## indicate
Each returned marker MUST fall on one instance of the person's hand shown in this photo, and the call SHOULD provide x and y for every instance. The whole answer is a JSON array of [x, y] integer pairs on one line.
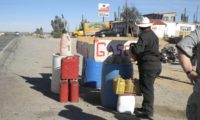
[[192, 76], [132, 56]]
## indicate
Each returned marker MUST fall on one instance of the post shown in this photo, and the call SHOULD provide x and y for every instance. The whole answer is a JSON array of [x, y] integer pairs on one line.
[[127, 27]]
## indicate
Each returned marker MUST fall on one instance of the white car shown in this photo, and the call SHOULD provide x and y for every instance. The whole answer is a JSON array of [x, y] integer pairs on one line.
[[17, 33]]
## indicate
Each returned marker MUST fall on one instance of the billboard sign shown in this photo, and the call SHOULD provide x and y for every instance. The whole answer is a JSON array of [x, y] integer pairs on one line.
[[103, 9]]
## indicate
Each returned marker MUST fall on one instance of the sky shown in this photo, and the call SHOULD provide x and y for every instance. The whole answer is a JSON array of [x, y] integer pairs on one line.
[[27, 15]]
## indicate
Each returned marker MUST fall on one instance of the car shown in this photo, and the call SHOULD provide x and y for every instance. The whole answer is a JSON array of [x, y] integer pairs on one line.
[[17, 33], [107, 33]]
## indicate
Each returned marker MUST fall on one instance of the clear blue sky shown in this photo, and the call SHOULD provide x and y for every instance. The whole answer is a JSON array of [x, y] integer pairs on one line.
[[27, 15]]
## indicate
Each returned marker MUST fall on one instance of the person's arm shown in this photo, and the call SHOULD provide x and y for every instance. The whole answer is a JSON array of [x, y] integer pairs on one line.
[[187, 66], [137, 48]]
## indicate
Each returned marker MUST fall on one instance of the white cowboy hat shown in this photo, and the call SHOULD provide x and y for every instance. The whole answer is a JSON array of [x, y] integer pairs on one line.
[[143, 23]]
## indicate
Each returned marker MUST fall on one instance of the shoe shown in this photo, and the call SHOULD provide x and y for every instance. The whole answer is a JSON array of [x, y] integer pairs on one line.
[[145, 116], [139, 110]]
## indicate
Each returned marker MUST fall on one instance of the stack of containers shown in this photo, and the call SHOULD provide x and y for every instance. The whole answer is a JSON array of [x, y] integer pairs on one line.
[[65, 72], [69, 86], [65, 50]]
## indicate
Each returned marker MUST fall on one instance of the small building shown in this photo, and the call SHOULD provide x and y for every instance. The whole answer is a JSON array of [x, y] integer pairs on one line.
[[179, 29], [166, 16], [170, 30], [183, 29], [158, 27]]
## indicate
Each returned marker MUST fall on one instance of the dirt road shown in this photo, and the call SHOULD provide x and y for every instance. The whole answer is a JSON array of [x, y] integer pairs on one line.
[[25, 89]]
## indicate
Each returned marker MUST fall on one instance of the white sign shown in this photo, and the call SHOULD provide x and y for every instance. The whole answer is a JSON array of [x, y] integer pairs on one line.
[[105, 48], [103, 10]]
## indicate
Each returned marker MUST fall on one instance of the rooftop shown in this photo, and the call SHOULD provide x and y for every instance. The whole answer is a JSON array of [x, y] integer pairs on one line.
[[157, 22]]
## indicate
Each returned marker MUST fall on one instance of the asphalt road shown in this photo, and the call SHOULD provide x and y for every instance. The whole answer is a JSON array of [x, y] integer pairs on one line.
[[8, 43], [6, 39]]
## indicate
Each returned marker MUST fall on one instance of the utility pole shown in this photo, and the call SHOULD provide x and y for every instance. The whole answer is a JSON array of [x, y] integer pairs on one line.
[[119, 18], [194, 18], [197, 13], [126, 7]]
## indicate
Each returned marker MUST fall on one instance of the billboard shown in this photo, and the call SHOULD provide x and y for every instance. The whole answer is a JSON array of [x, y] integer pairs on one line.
[[103, 9], [91, 28]]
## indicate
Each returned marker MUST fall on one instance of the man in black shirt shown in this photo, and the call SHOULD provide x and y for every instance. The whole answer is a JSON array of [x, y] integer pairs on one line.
[[147, 55]]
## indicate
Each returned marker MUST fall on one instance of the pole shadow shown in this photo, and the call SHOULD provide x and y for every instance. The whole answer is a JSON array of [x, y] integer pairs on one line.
[[75, 113], [173, 79], [42, 84]]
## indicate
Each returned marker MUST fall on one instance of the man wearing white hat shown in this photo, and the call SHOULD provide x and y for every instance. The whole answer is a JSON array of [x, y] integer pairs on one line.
[[147, 55]]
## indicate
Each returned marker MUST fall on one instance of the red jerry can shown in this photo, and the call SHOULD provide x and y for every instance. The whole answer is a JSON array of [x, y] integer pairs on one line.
[[74, 91], [69, 67], [64, 91]]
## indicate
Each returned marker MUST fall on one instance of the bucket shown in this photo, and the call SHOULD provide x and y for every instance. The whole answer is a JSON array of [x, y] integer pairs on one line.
[[64, 91], [69, 67], [55, 81], [74, 91], [111, 71], [118, 85], [126, 104], [129, 86], [92, 73]]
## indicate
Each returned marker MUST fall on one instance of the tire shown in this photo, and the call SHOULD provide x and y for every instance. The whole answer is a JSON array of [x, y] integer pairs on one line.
[[164, 61], [103, 35]]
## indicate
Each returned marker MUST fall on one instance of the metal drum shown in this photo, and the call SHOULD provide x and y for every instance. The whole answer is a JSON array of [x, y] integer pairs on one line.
[[111, 71]]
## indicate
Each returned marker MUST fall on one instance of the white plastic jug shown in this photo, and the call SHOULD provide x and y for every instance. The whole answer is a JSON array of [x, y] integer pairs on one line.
[[65, 45], [126, 104]]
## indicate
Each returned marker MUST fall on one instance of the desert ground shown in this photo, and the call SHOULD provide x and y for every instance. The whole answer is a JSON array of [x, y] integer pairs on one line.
[[25, 78]]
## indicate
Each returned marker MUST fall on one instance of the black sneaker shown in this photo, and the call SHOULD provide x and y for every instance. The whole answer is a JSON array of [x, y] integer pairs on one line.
[[139, 110], [144, 116]]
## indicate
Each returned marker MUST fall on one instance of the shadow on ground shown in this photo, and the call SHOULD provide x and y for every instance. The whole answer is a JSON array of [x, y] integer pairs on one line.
[[90, 95], [93, 96], [119, 116], [42, 84], [75, 113], [173, 79]]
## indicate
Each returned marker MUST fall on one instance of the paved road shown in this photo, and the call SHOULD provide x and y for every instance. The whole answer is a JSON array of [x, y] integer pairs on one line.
[[6, 39], [8, 45]]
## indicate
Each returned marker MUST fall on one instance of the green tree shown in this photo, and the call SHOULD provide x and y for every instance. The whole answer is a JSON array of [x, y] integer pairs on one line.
[[58, 24], [39, 31], [129, 15]]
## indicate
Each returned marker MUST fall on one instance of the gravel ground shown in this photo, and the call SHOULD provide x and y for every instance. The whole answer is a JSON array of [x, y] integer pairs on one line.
[[25, 89]]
